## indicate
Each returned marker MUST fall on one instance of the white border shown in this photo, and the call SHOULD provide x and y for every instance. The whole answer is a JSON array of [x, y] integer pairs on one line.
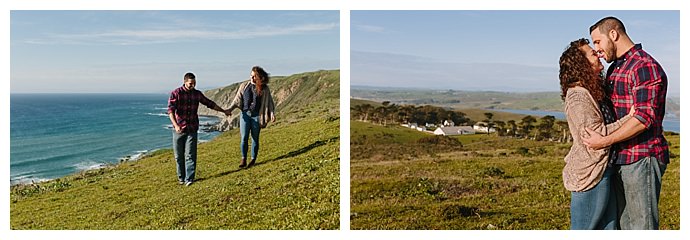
[[344, 6]]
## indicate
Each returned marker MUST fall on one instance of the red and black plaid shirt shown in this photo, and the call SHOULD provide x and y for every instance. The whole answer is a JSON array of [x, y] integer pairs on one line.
[[184, 104], [637, 79]]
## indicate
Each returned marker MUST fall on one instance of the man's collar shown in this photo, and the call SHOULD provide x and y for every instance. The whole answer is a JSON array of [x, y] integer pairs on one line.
[[631, 51]]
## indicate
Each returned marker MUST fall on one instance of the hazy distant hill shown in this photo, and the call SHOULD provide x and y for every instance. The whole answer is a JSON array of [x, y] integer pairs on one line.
[[458, 99]]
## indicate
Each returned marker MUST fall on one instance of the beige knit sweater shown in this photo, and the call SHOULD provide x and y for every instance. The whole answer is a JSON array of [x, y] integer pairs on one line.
[[267, 108], [584, 167]]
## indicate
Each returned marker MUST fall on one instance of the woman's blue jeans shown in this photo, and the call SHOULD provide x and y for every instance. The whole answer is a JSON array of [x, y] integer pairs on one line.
[[595, 209], [249, 126]]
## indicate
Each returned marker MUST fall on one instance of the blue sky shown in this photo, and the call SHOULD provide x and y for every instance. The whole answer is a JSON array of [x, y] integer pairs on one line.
[[491, 50], [149, 51]]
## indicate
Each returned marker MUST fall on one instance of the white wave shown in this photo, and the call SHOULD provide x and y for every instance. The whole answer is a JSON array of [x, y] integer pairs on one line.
[[85, 166], [134, 157], [27, 179], [157, 114]]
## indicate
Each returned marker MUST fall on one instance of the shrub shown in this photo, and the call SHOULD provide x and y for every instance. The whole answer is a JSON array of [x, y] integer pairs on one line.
[[539, 151], [522, 151], [493, 171], [455, 211], [440, 140]]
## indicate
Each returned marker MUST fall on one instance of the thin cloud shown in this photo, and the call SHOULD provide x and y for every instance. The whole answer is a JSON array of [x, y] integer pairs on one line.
[[370, 28], [151, 36]]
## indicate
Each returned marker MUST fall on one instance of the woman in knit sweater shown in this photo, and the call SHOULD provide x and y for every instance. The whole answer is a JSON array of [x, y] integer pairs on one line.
[[254, 99], [586, 173]]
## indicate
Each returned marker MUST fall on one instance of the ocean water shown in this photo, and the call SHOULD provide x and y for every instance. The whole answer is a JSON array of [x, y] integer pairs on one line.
[[53, 135], [671, 122]]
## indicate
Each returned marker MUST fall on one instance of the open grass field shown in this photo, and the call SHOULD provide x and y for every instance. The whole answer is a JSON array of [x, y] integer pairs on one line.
[[488, 182]]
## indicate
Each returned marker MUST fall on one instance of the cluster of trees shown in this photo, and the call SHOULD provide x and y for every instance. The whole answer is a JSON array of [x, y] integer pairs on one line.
[[389, 113], [546, 128]]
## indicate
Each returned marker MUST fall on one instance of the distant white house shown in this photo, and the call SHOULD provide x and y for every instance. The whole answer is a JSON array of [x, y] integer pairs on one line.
[[482, 127], [448, 123], [448, 131], [430, 125], [414, 126]]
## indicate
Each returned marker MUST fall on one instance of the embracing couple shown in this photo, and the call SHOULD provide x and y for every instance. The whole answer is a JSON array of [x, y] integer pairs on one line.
[[619, 154], [253, 98]]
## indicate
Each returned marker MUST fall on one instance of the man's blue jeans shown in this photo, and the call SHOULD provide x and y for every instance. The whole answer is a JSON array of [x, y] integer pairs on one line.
[[184, 147], [637, 187], [594, 209], [249, 126]]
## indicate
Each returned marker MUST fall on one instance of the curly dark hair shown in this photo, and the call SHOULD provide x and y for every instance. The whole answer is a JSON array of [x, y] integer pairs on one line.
[[263, 78], [576, 70]]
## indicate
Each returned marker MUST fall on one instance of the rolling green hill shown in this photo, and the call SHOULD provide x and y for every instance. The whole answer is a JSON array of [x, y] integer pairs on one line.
[[474, 114], [458, 99], [486, 182], [292, 94], [294, 185]]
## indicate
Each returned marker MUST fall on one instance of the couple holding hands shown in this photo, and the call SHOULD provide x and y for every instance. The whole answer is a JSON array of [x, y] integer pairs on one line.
[[253, 98]]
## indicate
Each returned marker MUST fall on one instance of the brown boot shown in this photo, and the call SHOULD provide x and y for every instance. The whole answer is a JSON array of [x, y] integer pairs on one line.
[[251, 163], [243, 163]]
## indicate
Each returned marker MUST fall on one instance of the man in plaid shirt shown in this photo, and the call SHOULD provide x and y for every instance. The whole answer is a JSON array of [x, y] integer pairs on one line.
[[182, 110], [634, 79]]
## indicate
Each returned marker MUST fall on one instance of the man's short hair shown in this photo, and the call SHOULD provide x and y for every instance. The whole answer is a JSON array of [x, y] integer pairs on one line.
[[607, 24], [188, 76]]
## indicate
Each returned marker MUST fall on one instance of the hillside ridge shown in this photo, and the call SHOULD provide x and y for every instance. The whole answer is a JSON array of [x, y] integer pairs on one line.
[[288, 93]]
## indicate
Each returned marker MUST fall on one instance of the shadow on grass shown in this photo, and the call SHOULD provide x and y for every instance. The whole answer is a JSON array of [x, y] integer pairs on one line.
[[287, 155]]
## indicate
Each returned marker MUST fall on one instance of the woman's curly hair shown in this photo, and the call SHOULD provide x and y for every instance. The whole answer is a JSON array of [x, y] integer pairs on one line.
[[262, 80], [576, 70]]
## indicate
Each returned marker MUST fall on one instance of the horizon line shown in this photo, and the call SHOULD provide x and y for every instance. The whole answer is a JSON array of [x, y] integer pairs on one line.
[[461, 90]]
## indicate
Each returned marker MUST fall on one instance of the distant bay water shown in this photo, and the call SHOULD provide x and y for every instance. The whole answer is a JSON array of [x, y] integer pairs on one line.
[[671, 123], [53, 135]]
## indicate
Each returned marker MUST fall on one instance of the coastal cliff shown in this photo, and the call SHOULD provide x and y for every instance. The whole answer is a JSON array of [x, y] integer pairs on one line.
[[290, 93]]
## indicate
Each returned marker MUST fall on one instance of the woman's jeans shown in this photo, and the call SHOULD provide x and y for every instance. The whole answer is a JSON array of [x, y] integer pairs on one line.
[[594, 209], [249, 126]]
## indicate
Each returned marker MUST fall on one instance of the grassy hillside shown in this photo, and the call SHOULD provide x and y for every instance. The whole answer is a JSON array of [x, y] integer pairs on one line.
[[294, 185], [486, 183], [474, 114]]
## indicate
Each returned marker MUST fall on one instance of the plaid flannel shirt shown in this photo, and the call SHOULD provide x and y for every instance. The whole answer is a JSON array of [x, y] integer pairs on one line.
[[184, 104], [638, 79]]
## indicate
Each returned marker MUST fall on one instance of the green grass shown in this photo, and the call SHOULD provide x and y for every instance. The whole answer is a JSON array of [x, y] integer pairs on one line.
[[294, 185], [488, 183]]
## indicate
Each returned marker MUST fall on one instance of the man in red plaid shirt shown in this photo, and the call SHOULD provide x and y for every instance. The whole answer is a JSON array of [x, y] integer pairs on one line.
[[634, 79], [183, 105]]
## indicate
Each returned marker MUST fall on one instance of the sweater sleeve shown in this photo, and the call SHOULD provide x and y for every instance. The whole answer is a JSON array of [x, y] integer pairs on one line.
[[583, 113], [238, 96], [271, 105], [612, 127]]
